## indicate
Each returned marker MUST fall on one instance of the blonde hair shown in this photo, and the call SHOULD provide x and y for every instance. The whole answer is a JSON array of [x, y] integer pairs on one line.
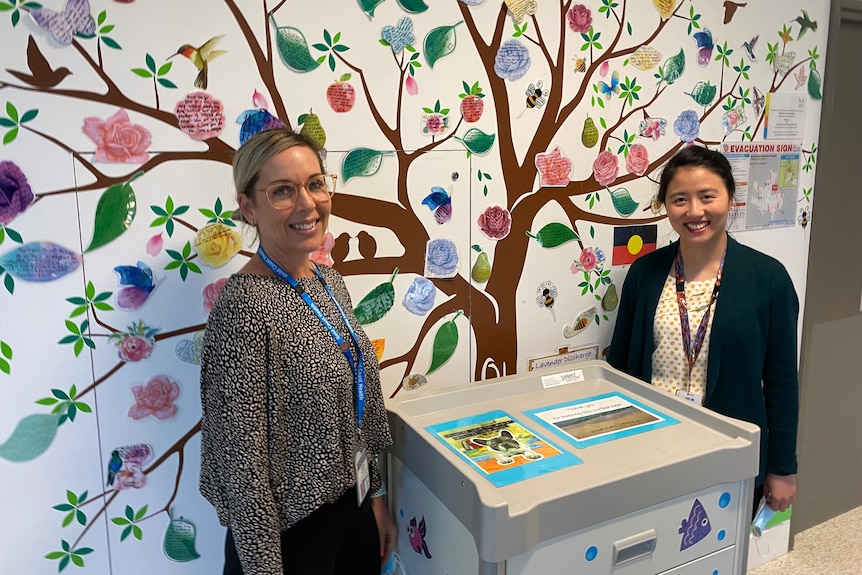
[[250, 158]]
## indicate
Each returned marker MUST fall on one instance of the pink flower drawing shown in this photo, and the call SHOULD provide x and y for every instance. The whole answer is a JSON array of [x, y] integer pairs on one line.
[[606, 168], [321, 254], [135, 347], [200, 116], [156, 398], [495, 222], [554, 167], [590, 260], [637, 161], [155, 244], [580, 18], [210, 294], [117, 139], [130, 478]]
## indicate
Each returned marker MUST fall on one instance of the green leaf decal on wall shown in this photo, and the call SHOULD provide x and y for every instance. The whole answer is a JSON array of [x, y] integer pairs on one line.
[[477, 141], [179, 543], [674, 67], [368, 6], [31, 437], [413, 6], [445, 342], [378, 301], [553, 235], [814, 85], [623, 202], [293, 50], [440, 42], [115, 212], [361, 162]]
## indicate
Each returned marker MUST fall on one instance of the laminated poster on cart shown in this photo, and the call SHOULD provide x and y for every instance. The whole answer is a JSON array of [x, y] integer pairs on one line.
[[600, 418], [502, 449]]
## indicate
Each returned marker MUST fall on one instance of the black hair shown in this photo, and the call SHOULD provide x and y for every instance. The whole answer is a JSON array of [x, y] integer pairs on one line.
[[696, 157]]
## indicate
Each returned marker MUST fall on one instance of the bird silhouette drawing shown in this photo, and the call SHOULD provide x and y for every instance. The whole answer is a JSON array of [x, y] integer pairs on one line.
[[41, 75], [201, 57], [730, 9], [367, 245], [805, 24]]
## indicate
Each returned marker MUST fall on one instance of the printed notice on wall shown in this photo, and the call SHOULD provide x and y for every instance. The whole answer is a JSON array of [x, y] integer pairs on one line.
[[784, 116], [767, 184]]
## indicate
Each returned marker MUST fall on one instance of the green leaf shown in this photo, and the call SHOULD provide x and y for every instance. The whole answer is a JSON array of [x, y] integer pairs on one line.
[[477, 141], [413, 6], [440, 42], [110, 43], [115, 212], [179, 541], [6, 350], [377, 302], [31, 438], [293, 49], [140, 71], [368, 6], [445, 342], [10, 136], [553, 235], [674, 67], [623, 202], [29, 115], [362, 162]]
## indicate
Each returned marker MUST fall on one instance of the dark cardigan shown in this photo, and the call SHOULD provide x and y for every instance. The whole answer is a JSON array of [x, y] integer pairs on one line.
[[753, 341]]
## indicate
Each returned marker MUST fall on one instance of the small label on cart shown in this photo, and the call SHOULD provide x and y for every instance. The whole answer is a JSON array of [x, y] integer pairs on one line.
[[574, 376]]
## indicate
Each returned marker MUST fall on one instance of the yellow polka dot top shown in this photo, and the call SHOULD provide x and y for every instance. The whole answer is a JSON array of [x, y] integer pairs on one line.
[[669, 364]]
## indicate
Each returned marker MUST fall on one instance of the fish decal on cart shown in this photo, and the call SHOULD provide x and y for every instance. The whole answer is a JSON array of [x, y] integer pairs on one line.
[[696, 527]]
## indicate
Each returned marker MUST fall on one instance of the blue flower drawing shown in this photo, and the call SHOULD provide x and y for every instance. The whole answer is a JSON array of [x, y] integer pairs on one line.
[[687, 125], [419, 298], [512, 60], [441, 258]]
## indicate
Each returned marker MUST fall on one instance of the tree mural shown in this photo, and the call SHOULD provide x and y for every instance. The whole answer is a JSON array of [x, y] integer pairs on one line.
[[575, 106]]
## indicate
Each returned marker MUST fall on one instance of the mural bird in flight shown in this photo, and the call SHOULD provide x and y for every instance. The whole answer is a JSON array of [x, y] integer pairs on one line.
[[200, 57]]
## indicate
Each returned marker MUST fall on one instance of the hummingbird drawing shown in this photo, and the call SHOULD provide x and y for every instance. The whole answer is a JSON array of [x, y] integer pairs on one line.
[[749, 48], [41, 75], [805, 23], [201, 57], [114, 466]]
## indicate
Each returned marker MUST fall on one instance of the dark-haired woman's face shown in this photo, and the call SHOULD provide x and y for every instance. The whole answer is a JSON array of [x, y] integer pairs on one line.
[[697, 204]]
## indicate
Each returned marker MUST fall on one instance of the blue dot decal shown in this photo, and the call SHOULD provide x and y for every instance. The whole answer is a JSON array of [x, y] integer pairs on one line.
[[592, 553], [721, 535], [715, 572], [724, 500]]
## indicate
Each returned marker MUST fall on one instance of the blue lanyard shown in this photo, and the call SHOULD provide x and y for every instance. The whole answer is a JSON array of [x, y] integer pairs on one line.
[[357, 367]]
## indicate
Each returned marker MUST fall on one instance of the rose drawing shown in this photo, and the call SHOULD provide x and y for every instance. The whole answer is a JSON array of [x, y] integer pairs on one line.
[[512, 60], [210, 294], [637, 161], [495, 222], [155, 398], [554, 167], [15, 192], [591, 259], [441, 258], [580, 18], [134, 348], [321, 254], [117, 139], [200, 116], [434, 124], [419, 298], [687, 125], [130, 478], [606, 168], [217, 243]]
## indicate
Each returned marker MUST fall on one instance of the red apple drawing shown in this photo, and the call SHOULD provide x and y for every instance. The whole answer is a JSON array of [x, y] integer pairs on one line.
[[341, 95], [471, 102]]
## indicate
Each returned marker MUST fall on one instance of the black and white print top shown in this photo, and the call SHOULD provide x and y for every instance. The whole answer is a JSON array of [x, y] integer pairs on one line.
[[279, 416]]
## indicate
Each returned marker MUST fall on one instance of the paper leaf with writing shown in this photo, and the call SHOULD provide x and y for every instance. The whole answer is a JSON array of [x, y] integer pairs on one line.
[[674, 67], [623, 202], [553, 235], [413, 6], [31, 437], [179, 542], [440, 42], [368, 6], [377, 303], [361, 162], [645, 58], [814, 83], [477, 141], [445, 342], [40, 261], [293, 50], [115, 212]]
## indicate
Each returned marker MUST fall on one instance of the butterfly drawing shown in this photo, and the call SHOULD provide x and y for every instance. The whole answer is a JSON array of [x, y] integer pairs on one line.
[[749, 48], [75, 19], [704, 46], [440, 203], [139, 282], [400, 35], [758, 102], [801, 77], [614, 87]]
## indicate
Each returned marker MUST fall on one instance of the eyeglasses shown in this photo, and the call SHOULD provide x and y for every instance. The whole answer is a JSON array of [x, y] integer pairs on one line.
[[283, 195]]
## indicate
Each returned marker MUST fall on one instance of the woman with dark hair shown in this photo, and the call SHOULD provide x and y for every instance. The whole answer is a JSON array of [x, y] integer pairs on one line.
[[292, 411], [734, 354]]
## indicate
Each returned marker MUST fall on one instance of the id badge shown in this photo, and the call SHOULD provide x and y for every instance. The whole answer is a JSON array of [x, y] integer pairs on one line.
[[363, 477], [695, 398]]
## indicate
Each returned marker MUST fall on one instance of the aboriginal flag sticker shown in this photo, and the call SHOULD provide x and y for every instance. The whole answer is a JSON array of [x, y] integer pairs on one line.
[[631, 242]]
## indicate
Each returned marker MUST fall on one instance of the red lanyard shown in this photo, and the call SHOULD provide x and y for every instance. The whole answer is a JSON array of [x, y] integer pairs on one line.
[[692, 348]]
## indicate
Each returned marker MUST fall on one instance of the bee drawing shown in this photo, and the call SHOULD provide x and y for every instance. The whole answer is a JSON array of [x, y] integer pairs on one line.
[[535, 97], [581, 322], [803, 218], [580, 64], [546, 295]]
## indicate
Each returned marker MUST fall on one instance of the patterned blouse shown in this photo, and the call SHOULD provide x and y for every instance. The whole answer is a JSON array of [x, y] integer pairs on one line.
[[279, 416], [669, 364]]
